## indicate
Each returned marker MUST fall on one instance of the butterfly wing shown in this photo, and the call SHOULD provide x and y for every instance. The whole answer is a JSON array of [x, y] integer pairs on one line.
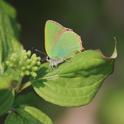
[[53, 31], [68, 44], [61, 42]]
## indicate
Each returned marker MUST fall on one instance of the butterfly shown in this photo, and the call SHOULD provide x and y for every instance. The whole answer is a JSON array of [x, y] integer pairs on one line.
[[61, 43]]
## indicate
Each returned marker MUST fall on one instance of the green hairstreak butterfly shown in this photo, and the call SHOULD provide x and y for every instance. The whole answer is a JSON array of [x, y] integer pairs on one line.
[[60, 43]]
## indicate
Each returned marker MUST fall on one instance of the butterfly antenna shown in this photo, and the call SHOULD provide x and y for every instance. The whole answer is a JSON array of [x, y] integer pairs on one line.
[[38, 51]]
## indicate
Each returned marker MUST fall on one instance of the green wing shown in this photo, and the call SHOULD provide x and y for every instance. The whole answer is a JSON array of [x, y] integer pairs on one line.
[[68, 44], [61, 42], [53, 31]]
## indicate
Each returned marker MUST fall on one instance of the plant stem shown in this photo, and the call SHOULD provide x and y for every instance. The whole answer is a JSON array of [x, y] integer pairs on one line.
[[24, 86]]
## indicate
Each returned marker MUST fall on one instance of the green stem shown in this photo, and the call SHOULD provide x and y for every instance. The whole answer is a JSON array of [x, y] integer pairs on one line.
[[24, 86]]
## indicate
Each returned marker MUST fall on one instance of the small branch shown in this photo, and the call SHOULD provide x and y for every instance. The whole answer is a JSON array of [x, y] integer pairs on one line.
[[24, 86]]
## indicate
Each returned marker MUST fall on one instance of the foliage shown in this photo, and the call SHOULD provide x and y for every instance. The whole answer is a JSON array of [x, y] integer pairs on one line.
[[111, 108], [73, 83]]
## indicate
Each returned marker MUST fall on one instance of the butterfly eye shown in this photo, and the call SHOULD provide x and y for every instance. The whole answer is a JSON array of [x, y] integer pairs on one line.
[[47, 58]]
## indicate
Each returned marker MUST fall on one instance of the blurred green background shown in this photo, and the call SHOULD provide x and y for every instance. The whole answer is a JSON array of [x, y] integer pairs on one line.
[[97, 21]]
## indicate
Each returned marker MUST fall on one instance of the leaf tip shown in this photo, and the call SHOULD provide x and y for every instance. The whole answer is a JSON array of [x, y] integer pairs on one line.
[[115, 53]]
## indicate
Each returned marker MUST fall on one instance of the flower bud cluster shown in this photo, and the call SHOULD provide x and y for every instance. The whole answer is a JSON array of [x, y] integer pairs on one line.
[[27, 63]]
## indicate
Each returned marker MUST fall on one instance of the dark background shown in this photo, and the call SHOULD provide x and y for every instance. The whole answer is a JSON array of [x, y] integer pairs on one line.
[[97, 21]]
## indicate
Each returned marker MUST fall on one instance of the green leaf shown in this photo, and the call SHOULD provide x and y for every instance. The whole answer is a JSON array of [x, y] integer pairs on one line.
[[28, 115], [32, 99], [6, 100], [10, 80], [76, 81], [7, 9], [14, 118], [9, 33]]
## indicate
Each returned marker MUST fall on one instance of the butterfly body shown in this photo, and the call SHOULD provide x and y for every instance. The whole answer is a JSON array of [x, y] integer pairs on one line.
[[54, 62], [60, 43]]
